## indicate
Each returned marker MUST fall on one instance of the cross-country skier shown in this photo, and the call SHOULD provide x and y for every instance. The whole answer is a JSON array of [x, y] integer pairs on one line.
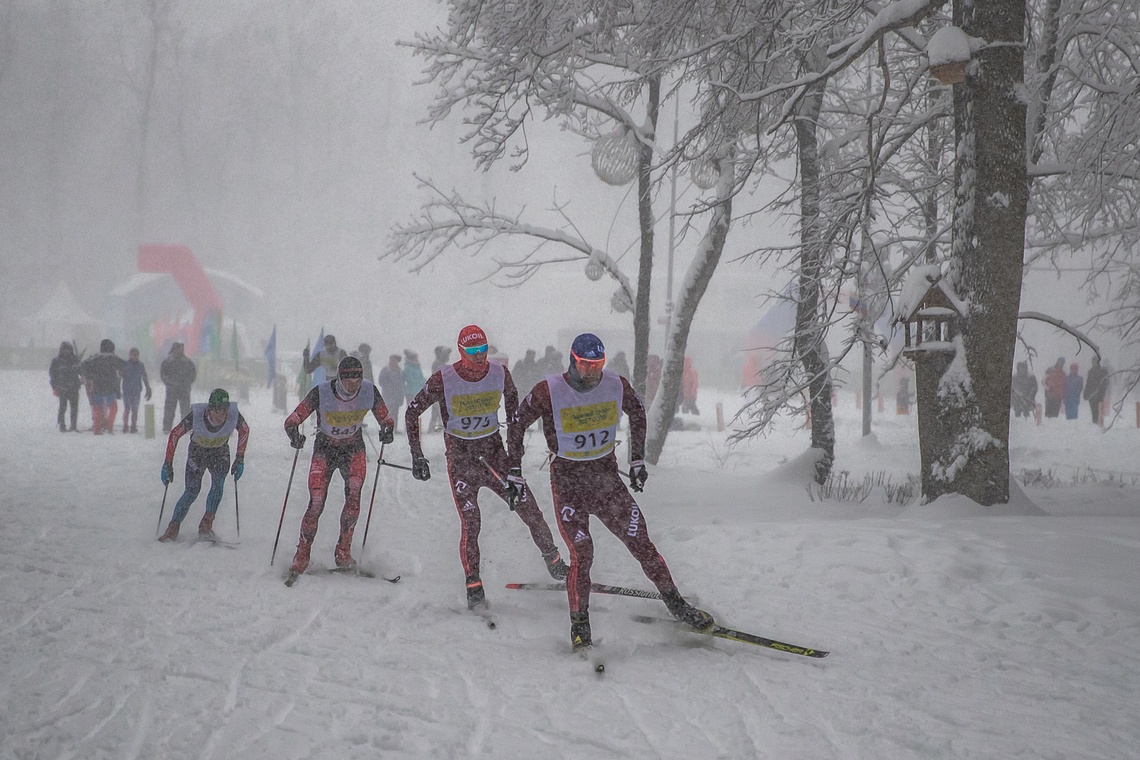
[[469, 393], [210, 426], [581, 410], [341, 405]]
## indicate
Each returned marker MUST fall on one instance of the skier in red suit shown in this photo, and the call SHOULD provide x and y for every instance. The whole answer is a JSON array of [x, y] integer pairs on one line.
[[581, 411], [469, 393], [341, 405]]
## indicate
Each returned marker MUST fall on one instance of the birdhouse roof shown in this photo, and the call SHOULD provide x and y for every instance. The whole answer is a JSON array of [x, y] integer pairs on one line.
[[926, 291]]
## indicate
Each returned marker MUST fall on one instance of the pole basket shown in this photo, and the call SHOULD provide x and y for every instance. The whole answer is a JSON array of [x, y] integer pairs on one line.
[[614, 157]]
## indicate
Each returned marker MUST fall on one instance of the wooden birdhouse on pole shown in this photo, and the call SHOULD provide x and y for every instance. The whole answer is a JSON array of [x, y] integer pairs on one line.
[[949, 52]]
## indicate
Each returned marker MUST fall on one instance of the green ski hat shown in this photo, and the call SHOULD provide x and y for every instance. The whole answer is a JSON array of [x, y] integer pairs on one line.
[[219, 398]]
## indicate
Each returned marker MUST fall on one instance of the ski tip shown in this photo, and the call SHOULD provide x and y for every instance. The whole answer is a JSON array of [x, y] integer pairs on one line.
[[514, 585], [393, 580]]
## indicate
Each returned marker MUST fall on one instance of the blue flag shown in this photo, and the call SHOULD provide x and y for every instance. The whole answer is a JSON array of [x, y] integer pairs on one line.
[[319, 372], [271, 357]]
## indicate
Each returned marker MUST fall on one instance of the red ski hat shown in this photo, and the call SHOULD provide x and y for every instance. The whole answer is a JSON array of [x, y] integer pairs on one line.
[[472, 335]]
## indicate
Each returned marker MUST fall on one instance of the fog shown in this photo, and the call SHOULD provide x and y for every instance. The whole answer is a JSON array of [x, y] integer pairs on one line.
[[280, 142]]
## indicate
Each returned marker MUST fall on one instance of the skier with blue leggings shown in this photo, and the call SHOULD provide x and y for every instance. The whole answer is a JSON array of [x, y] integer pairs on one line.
[[210, 426]]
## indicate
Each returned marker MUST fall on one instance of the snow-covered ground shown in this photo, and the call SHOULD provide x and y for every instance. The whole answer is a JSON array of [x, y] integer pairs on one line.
[[954, 633]]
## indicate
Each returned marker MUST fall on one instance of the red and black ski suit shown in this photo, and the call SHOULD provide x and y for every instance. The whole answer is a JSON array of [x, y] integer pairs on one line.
[[467, 474], [592, 487], [348, 456]]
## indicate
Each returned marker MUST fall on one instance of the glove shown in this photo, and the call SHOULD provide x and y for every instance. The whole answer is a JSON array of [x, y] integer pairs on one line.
[[167, 473], [638, 475], [388, 434], [296, 438], [420, 469], [148, 394], [516, 487], [237, 469]]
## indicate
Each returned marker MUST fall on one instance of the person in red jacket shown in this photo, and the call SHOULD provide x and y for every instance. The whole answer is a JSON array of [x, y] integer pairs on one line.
[[210, 426], [469, 393], [580, 412], [340, 405]]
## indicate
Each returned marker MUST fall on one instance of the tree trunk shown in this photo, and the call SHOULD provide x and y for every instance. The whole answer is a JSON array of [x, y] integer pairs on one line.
[[810, 346], [692, 291], [641, 317], [988, 244]]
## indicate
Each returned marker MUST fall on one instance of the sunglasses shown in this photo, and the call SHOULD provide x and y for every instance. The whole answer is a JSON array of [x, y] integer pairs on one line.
[[589, 363], [475, 350]]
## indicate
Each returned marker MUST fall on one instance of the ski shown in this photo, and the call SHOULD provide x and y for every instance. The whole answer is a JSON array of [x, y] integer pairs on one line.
[[719, 631], [596, 588], [292, 576], [215, 542]]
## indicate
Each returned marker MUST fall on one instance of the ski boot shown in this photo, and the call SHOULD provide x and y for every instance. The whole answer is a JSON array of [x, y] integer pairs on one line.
[[171, 532], [697, 619], [206, 527], [580, 639], [343, 556], [555, 566], [301, 558], [476, 598]]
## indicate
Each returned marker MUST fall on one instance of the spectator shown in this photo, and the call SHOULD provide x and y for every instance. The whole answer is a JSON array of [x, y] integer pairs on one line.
[[1074, 383], [63, 374], [1096, 389], [413, 374], [652, 378], [1023, 397], [364, 354], [689, 383], [178, 374], [134, 380], [1054, 383], [103, 373], [327, 358], [526, 372], [391, 384], [618, 365]]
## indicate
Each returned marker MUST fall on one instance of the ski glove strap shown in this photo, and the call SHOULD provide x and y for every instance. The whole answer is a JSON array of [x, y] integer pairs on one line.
[[638, 475], [516, 487], [388, 434]]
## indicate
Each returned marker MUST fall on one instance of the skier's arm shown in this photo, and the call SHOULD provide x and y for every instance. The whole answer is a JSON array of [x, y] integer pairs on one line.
[[635, 410], [431, 393], [308, 405], [179, 430], [534, 406], [243, 438], [381, 413]]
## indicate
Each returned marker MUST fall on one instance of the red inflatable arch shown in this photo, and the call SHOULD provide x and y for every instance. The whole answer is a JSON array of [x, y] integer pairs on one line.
[[180, 262]]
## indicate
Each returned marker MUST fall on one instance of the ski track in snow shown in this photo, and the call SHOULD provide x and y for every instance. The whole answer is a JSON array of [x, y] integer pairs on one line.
[[951, 637]]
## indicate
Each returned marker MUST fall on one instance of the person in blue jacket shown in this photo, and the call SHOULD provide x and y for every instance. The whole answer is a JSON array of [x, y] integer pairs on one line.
[[134, 380]]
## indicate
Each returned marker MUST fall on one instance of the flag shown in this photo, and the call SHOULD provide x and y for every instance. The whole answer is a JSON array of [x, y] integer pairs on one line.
[[319, 372], [234, 347], [271, 357]]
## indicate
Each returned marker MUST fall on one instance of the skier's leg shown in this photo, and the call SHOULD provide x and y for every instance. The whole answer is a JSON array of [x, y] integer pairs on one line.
[[465, 493], [354, 470], [319, 476], [195, 469]]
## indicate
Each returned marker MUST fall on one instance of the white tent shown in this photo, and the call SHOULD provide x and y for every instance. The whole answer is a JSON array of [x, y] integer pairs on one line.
[[62, 318]]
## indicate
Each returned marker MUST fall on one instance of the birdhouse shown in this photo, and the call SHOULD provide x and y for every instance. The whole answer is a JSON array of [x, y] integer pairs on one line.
[[931, 320], [949, 52]]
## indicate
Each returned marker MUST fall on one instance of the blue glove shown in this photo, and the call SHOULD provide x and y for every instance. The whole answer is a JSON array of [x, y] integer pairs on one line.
[[237, 469], [167, 473]]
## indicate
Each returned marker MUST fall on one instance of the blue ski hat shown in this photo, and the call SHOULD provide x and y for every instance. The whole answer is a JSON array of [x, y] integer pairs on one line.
[[588, 346]]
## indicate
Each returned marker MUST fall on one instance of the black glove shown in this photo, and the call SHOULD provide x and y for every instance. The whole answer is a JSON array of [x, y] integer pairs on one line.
[[420, 469], [638, 475], [148, 394], [388, 434], [296, 438], [516, 487]]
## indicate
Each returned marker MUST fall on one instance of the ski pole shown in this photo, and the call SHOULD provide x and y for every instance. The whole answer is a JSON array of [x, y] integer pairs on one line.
[[396, 466], [237, 510], [296, 453], [165, 488], [506, 484], [375, 482]]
